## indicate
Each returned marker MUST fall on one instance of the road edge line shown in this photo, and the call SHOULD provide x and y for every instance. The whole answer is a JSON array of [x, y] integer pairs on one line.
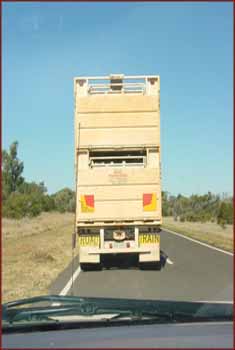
[[196, 241], [68, 286], [169, 261]]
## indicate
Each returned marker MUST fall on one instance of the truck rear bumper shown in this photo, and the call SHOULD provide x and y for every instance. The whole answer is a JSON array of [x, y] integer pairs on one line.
[[147, 254], [120, 251]]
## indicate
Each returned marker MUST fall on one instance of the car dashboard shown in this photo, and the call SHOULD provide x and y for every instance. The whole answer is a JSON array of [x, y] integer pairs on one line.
[[179, 335]]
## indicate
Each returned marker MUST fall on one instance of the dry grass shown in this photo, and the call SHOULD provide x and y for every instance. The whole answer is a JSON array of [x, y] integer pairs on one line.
[[35, 251], [208, 232]]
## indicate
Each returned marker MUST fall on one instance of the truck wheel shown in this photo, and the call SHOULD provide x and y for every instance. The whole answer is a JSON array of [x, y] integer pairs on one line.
[[85, 267], [157, 266], [90, 267]]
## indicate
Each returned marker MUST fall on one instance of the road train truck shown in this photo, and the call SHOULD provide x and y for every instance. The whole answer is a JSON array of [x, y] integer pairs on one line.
[[118, 168]]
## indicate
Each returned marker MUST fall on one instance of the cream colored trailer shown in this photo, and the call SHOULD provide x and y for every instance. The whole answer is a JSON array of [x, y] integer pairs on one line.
[[118, 167]]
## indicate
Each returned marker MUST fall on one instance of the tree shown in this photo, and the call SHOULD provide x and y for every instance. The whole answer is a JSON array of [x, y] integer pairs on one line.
[[32, 187], [198, 208], [21, 198], [165, 204], [64, 200], [225, 215], [12, 169]]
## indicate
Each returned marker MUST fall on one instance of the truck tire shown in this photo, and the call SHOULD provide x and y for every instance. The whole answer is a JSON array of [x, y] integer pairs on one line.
[[156, 265], [90, 267], [84, 267]]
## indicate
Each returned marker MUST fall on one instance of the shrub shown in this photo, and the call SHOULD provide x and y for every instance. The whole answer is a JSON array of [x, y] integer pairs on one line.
[[64, 200], [225, 215], [48, 203], [19, 205], [15, 206]]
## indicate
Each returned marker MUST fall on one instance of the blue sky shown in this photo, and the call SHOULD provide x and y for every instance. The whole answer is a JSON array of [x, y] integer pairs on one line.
[[190, 45]]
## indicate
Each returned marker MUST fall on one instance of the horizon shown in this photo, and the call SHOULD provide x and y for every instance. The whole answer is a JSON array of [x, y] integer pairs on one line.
[[222, 195]]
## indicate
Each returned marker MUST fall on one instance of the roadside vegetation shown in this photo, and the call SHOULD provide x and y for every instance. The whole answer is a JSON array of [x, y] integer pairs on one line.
[[208, 232], [36, 231], [208, 218], [205, 208], [34, 251], [28, 199]]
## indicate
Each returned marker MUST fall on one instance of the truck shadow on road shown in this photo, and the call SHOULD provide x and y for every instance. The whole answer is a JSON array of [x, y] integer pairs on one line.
[[131, 262]]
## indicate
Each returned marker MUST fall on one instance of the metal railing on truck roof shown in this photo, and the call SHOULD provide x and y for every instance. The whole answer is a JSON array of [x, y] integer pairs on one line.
[[116, 88], [117, 83]]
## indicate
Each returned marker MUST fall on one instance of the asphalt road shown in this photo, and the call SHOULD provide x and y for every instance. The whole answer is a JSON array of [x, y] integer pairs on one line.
[[190, 271]]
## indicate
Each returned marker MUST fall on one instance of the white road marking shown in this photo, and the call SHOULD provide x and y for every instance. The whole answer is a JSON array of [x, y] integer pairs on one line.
[[169, 261], [69, 284], [196, 241]]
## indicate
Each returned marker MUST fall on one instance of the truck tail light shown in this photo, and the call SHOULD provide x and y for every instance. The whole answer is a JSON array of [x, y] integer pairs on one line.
[[110, 245], [128, 244]]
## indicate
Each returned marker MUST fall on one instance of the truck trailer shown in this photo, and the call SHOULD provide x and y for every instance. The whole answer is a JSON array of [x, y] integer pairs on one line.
[[118, 168]]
